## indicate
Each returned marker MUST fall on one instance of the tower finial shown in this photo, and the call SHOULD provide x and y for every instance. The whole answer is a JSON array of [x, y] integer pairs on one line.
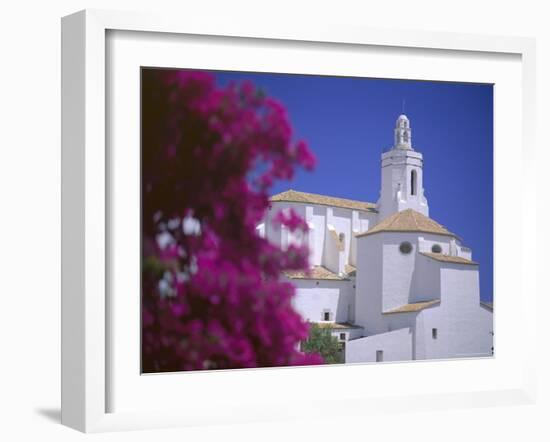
[[402, 133], [403, 106]]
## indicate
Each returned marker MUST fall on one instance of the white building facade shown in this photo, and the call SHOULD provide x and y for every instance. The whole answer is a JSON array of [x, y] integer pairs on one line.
[[389, 282]]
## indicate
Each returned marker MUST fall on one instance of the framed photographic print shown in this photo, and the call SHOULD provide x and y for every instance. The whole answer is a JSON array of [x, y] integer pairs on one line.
[[267, 222], [341, 279]]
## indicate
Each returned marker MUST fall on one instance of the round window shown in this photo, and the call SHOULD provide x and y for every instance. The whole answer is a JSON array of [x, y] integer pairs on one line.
[[436, 248], [405, 247]]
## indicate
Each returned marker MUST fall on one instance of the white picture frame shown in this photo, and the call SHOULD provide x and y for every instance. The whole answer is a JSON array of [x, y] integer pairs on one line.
[[86, 356]]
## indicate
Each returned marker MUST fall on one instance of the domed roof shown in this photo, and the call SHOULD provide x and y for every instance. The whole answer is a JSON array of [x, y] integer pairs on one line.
[[402, 117]]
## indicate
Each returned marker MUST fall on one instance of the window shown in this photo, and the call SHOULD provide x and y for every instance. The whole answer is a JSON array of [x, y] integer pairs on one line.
[[326, 316], [434, 333], [413, 182], [342, 336], [379, 355], [436, 248], [405, 247], [341, 351]]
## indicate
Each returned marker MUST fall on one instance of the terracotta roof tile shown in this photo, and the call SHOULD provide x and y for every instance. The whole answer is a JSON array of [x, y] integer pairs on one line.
[[317, 272], [414, 307], [408, 221], [312, 198], [337, 325], [350, 270], [448, 258]]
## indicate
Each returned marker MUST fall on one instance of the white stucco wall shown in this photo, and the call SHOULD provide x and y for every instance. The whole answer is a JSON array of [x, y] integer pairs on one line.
[[361, 222], [341, 219], [349, 333], [367, 220], [426, 280], [356, 333], [318, 219], [464, 328], [398, 269], [271, 233], [281, 236], [470, 325], [386, 279], [395, 191], [333, 257], [313, 297], [396, 346], [368, 299], [464, 252], [396, 321], [401, 278], [323, 251], [427, 241]]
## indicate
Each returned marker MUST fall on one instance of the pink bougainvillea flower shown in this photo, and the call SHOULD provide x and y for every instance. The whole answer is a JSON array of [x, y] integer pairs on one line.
[[212, 297], [291, 220]]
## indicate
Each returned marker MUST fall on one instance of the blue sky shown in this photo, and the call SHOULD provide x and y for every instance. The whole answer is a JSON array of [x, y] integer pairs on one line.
[[348, 122]]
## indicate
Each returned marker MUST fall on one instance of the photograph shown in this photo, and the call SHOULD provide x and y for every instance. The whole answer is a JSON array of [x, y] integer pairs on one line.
[[301, 220]]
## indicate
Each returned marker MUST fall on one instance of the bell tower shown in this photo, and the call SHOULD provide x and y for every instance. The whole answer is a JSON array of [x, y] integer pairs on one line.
[[401, 172], [402, 133]]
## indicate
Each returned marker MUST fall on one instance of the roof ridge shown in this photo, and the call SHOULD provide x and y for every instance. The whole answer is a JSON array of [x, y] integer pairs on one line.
[[413, 306], [408, 220], [326, 200], [415, 218], [390, 220], [316, 272], [320, 194]]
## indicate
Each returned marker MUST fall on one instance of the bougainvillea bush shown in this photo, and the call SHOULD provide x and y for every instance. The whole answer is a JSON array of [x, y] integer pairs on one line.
[[212, 297]]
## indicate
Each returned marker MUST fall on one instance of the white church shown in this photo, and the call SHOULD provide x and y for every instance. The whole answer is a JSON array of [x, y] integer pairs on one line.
[[389, 282]]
